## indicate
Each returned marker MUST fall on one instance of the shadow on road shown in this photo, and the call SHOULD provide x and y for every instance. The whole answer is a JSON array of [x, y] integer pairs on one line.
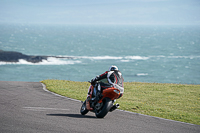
[[72, 115]]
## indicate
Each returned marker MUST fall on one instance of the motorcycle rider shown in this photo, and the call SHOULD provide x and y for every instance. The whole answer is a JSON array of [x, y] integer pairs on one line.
[[111, 78]]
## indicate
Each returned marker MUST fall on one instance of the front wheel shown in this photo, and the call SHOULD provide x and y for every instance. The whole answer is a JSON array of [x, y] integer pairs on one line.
[[83, 109], [107, 104]]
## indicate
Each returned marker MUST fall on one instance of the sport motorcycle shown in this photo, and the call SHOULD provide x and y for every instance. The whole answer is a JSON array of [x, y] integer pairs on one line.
[[101, 105]]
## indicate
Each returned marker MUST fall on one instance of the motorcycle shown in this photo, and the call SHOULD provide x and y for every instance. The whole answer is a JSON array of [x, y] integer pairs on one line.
[[103, 105]]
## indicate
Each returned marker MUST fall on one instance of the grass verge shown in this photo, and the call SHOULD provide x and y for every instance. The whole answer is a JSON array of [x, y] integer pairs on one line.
[[171, 101]]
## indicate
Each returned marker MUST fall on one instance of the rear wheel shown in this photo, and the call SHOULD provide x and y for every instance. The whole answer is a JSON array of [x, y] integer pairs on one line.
[[83, 109], [102, 112]]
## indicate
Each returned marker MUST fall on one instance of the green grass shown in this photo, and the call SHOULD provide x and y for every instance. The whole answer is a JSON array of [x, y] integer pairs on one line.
[[171, 101]]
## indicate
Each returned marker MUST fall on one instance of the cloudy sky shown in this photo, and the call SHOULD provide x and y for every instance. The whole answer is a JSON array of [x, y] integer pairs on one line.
[[100, 11]]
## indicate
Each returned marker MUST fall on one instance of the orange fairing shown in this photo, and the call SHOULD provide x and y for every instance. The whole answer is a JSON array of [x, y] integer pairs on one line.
[[111, 93]]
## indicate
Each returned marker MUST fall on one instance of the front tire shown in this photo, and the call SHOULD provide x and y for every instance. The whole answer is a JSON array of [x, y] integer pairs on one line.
[[107, 104], [83, 109]]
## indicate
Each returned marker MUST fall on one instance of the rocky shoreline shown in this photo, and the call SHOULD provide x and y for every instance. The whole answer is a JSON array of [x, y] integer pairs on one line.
[[12, 56]]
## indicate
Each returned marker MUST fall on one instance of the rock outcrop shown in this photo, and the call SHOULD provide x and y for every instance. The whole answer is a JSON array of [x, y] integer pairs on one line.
[[12, 56]]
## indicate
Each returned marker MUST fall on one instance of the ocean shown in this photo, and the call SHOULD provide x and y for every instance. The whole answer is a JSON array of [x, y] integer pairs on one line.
[[160, 54]]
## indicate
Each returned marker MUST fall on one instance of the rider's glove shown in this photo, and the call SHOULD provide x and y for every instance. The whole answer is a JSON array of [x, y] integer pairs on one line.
[[93, 81]]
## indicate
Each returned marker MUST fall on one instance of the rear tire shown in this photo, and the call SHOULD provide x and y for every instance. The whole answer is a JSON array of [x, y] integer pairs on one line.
[[107, 104], [83, 109]]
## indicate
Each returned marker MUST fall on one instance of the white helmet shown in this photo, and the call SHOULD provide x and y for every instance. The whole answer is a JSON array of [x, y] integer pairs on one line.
[[112, 68]]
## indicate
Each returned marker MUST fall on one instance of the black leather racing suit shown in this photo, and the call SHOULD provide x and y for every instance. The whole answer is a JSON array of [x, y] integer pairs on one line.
[[110, 79]]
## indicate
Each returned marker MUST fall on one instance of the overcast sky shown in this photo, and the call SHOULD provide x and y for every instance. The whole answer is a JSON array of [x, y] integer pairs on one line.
[[100, 11]]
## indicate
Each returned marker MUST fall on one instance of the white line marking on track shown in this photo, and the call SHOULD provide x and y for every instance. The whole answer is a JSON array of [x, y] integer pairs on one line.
[[42, 108], [44, 88]]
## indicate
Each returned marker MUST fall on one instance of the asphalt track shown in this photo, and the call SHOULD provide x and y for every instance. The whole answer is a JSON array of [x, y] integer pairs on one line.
[[26, 108]]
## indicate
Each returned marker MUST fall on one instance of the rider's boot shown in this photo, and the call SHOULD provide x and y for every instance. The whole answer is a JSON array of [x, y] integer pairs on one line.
[[114, 107], [88, 104]]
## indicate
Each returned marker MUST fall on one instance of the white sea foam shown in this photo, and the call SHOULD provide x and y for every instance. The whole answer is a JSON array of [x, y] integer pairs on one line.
[[126, 58], [99, 57], [137, 57], [186, 57], [63, 60], [142, 74], [175, 57], [49, 61], [56, 61]]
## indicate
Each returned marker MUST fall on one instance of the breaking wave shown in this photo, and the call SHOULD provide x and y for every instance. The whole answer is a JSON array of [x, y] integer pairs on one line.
[[67, 60], [126, 58], [110, 57], [49, 61], [100, 57]]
